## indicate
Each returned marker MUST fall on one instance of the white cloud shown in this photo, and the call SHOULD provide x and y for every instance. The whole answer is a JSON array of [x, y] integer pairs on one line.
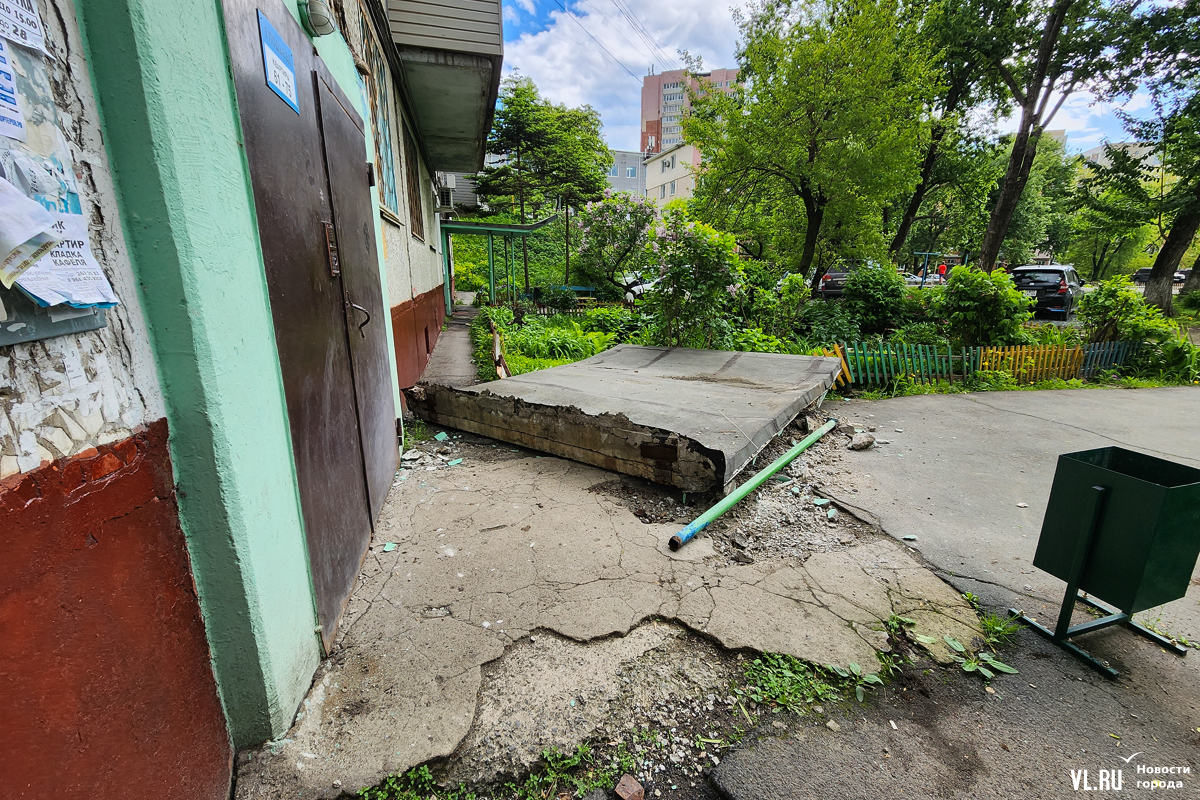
[[511, 15], [569, 67], [528, 6]]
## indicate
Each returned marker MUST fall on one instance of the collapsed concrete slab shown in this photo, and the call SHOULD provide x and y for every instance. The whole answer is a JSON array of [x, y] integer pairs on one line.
[[687, 418]]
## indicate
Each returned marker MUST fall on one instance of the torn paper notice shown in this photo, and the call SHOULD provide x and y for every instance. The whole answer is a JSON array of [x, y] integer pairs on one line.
[[69, 273], [26, 232], [20, 22], [12, 121]]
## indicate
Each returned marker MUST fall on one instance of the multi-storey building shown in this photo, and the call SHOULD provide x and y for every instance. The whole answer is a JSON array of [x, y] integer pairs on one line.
[[669, 174], [627, 173], [664, 101]]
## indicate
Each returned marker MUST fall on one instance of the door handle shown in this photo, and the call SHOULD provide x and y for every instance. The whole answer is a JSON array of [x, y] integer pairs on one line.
[[364, 322]]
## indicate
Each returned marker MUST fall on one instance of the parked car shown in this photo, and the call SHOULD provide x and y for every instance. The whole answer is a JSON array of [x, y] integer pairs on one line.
[[1054, 287], [639, 288], [833, 282], [1141, 276], [910, 279], [1180, 276]]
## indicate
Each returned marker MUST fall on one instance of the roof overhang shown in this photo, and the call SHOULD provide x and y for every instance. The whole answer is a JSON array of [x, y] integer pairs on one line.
[[451, 53]]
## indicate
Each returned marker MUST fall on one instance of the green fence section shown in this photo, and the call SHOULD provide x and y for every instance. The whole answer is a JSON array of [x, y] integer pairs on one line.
[[876, 364]]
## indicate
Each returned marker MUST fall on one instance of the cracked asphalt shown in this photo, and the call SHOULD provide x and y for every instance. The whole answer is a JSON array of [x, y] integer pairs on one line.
[[964, 479], [470, 560]]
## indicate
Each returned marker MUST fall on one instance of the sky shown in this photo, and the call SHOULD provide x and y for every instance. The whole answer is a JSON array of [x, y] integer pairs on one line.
[[564, 53]]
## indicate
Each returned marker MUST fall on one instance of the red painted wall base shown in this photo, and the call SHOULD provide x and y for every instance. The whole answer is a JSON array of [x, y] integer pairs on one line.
[[416, 325], [108, 689]]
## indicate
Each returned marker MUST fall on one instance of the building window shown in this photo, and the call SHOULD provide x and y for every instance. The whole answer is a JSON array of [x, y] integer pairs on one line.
[[612, 171], [631, 172], [672, 187], [662, 191], [412, 171], [381, 103], [666, 162]]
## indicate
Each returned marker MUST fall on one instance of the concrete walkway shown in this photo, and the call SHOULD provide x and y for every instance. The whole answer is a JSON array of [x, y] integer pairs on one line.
[[967, 477], [487, 553], [451, 364]]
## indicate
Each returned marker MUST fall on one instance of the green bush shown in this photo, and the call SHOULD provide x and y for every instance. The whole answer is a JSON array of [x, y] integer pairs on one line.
[[559, 298], [984, 309], [1115, 312], [1058, 335], [875, 294], [828, 322], [919, 333], [1172, 359], [469, 277], [1189, 301], [753, 340]]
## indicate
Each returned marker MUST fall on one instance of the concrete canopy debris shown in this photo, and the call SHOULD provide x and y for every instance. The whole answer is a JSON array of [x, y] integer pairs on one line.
[[687, 418]]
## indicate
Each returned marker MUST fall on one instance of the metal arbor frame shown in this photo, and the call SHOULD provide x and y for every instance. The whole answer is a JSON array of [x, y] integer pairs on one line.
[[507, 232]]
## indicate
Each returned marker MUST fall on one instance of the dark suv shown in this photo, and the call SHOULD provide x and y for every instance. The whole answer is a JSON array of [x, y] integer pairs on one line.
[[1054, 287], [833, 282]]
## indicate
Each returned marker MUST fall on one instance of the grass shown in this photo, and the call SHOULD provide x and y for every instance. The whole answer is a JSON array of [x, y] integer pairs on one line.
[[560, 774], [998, 630], [415, 431], [785, 682]]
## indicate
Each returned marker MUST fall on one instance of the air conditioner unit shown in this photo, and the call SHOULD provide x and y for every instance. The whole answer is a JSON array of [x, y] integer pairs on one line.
[[445, 199]]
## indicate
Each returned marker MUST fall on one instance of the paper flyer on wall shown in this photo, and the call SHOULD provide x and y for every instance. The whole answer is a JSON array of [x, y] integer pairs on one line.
[[12, 121], [21, 23], [69, 273], [26, 233]]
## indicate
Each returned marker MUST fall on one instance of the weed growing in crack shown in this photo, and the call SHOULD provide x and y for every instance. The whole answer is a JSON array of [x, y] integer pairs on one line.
[[998, 630], [577, 772], [416, 784], [786, 682]]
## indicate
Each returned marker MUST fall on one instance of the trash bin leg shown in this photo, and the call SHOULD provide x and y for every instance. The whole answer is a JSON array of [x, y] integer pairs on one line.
[[1141, 630], [1062, 630]]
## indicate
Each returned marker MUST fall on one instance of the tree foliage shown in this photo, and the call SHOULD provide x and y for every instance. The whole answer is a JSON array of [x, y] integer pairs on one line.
[[820, 133], [614, 239]]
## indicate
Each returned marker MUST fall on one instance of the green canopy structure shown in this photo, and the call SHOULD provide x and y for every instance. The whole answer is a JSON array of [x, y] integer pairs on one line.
[[507, 232]]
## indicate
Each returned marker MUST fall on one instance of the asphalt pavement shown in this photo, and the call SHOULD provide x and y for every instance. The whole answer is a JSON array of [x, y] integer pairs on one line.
[[968, 476]]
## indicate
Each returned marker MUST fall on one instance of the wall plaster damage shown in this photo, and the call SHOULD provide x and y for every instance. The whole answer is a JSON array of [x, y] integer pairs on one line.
[[68, 394]]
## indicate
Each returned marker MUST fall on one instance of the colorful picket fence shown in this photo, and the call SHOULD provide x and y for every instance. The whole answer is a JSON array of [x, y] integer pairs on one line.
[[1033, 363], [880, 363]]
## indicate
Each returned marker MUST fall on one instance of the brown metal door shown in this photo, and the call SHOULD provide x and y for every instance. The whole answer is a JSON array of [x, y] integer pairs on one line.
[[286, 161], [354, 222]]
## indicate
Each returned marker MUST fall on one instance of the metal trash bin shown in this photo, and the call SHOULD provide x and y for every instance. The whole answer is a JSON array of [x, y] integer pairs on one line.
[[1124, 527]]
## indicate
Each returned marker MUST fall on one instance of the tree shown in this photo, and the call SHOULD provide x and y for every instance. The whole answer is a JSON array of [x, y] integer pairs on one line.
[[1163, 49], [823, 128], [698, 273], [549, 152], [614, 237], [967, 83], [1112, 216], [1041, 220], [1042, 50]]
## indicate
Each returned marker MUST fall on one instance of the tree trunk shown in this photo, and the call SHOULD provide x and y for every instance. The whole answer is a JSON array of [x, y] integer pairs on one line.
[[1015, 177], [931, 156], [1162, 274], [814, 212], [1192, 284]]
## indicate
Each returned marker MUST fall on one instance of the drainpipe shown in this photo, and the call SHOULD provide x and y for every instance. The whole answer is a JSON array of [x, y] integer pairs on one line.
[[707, 518]]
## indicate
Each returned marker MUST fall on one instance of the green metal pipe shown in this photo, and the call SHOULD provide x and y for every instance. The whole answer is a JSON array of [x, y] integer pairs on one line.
[[707, 518]]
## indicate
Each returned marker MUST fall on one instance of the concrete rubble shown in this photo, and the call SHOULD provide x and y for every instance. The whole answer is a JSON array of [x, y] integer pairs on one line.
[[503, 598]]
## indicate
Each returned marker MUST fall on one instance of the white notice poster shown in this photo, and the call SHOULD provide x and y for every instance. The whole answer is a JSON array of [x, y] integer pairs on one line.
[[12, 121], [20, 22], [69, 273]]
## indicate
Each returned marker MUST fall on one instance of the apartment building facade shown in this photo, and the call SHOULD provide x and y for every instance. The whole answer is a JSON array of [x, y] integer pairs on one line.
[[669, 174], [627, 173], [192, 464], [664, 102]]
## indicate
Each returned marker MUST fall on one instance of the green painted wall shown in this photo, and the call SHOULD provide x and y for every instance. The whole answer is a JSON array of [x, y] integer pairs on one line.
[[161, 75]]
